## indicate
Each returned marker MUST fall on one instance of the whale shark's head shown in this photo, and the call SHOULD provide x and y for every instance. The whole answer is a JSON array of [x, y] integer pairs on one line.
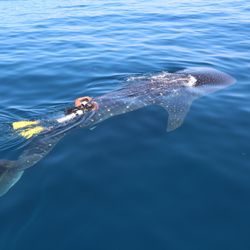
[[208, 80]]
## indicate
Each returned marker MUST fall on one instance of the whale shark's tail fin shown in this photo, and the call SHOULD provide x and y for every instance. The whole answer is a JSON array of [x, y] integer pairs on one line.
[[9, 175], [11, 171]]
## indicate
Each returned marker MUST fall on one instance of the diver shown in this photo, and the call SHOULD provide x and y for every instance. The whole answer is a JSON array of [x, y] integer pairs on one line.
[[28, 129]]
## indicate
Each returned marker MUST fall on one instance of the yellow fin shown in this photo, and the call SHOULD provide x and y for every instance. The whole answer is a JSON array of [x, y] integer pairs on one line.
[[28, 133], [23, 124]]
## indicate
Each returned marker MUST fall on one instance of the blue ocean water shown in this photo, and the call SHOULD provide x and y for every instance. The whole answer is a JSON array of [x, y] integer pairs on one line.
[[128, 184]]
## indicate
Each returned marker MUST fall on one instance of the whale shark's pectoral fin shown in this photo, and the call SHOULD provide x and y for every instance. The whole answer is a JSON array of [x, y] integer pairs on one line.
[[176, 118], [177, 109]]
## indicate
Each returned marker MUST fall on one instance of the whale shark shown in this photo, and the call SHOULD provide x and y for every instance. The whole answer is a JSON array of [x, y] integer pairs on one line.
[[175, 92]]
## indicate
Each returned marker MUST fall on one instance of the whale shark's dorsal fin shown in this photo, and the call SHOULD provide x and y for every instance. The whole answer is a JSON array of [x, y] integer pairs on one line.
[[177, 108]]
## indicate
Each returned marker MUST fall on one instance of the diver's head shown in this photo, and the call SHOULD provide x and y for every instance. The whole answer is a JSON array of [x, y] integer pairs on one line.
[[89, 107], [86, 103]]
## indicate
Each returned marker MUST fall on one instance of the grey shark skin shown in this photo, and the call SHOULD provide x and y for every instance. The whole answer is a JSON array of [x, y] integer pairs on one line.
[[175, 92]]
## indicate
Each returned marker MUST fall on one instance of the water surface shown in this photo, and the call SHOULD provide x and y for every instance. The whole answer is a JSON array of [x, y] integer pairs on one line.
[[128, 184]]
